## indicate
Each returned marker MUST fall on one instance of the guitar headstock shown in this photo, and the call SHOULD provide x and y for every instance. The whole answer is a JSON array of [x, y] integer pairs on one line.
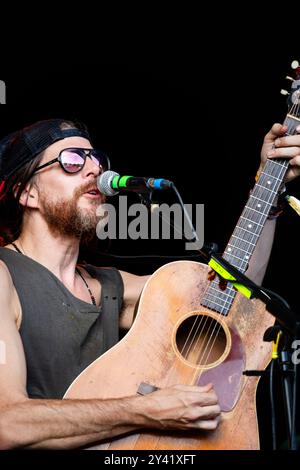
[[293, 99]]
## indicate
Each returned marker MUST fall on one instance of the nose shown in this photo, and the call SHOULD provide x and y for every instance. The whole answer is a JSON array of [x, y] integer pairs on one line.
[[91, 168]]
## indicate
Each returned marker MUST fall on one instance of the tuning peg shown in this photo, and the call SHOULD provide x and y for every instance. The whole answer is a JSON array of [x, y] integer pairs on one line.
[[295, 64], [289, 78], [284, 92]]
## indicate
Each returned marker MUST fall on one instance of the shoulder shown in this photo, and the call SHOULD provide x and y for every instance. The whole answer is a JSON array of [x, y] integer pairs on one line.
[[103, 274], [133, 286], [5, 277], [9, 300], [133, 280]]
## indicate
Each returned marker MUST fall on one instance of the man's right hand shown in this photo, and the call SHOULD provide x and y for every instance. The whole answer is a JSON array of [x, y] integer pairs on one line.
[[181, 407]]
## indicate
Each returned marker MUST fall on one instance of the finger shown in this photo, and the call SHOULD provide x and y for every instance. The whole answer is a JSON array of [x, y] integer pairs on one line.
[[295, 161], [195, 413], [291, 174], [205, 398], [202, 396], [293, 170], [195, 388], [288, 141], [206, 388], [207, 424], [283, 152], [208, 412], [277, 130]]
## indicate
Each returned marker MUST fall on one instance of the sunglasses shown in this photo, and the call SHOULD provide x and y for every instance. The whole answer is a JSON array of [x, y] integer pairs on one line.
[[72, 160]]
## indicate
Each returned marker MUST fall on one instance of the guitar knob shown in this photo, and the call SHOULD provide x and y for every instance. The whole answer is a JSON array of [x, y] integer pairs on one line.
[[295, 64], [284, 92]]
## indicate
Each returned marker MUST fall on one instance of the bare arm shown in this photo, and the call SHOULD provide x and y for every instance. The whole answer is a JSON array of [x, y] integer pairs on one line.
[[26, 422], [133, 286], [260, 258]]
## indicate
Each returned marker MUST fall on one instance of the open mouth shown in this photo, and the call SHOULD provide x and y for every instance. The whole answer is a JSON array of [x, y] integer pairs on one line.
[[93, 193]]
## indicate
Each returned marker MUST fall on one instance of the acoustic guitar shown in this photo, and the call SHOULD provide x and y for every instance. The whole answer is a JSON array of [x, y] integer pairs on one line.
[[189, 331]]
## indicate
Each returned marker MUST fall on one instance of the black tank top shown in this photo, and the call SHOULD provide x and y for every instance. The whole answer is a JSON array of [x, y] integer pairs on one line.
[[61, 334]]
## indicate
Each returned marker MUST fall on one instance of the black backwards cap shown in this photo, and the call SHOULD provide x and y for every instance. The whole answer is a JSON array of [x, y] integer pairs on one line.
[[22, 146]]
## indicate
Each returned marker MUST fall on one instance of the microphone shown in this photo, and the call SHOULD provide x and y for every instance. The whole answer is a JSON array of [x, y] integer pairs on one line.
[[110, 183]]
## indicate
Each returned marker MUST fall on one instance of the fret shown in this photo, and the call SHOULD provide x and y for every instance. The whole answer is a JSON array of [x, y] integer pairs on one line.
[[219, 307], [263, 173], [255, 210], [245, 235], [267, 199], [290, 117], [245, 230], [239, 248], [259, 199], [215, 286], [217, 300], [265, 188], [243, 241], [253, 226], [217, 290], [237, 257], [276, 162], [251, 220], [232, 253]]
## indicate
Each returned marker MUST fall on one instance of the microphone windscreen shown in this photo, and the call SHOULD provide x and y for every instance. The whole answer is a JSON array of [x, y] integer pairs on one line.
[[104, 183]]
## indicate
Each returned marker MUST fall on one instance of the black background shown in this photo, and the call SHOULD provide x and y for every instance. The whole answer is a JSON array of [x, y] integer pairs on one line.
[[197, 119], [199, 124]]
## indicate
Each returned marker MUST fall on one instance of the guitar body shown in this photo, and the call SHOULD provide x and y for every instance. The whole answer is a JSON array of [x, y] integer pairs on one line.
[[159, 350]]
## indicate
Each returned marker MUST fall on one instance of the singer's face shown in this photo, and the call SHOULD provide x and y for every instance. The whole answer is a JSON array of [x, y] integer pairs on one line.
[[65, 200]]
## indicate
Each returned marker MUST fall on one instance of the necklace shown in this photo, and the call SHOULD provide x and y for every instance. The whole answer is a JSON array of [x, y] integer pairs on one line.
[[77, 271], [87, 286]]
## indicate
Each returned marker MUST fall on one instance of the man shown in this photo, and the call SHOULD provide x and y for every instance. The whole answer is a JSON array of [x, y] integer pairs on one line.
[[57, 317]]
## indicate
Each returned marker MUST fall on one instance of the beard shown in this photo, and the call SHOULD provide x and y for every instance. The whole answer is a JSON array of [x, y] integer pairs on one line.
[[65, 218]]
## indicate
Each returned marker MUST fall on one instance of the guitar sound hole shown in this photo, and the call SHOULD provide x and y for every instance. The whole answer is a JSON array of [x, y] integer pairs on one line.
[[201, 340]]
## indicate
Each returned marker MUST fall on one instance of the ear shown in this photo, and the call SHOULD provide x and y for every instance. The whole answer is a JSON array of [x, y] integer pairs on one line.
[[29, 196]]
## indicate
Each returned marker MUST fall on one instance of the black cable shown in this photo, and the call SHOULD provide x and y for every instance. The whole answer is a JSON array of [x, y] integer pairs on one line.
[[272, 405], [187, 216], [196, 238], [295, 411]]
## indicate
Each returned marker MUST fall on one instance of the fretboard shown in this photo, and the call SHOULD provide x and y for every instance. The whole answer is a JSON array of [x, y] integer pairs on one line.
[[249, 227]]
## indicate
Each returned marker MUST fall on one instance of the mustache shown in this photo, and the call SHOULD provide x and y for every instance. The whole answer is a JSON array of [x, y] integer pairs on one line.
[[91, 186], [88, 187]]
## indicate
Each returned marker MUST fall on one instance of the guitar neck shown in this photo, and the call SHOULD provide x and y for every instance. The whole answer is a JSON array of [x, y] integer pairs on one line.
[[250, 224], [253, 218]]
